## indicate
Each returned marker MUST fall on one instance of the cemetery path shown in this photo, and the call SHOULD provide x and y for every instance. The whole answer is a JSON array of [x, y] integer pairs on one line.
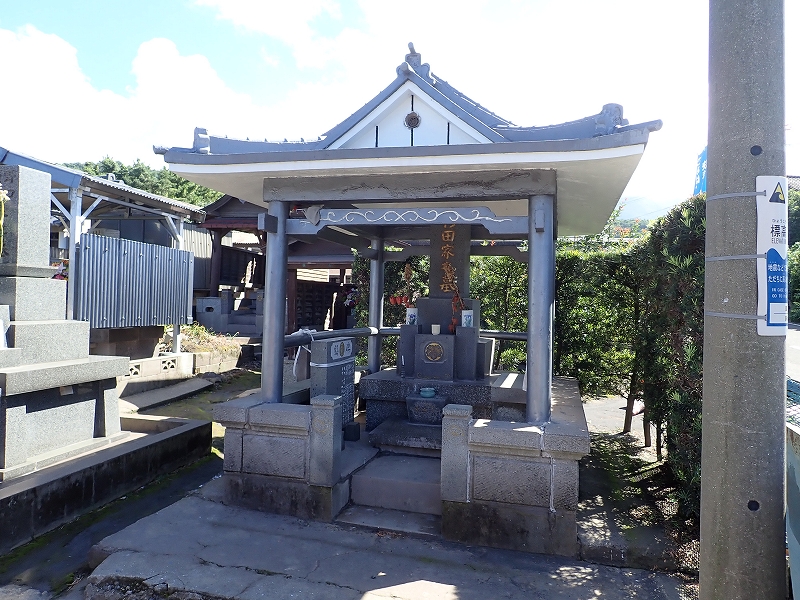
[[217, 551]]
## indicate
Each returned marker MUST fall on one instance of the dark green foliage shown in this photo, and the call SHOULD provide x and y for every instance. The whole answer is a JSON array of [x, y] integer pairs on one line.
[[794, 256], [393, 283], [500, 284], [593, 330], [163, 182], [671, 264]]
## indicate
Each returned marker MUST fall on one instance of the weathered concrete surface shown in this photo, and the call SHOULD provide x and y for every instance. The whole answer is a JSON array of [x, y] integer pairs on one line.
[[33, 504], [202, 546]]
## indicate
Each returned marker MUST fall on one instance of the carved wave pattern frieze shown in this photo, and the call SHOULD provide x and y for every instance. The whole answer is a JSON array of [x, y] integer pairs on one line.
[[409, 216]]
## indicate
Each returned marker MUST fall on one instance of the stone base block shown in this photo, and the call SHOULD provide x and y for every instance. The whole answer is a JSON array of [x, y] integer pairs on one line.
[[36, 503], [47, 341], [286, 496], [34, 298], [43, 376], [42, 461], [525, 528], [10, 357]]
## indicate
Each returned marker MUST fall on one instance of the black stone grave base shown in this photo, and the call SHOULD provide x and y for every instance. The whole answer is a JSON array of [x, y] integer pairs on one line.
[[286, 496], [397, 435], [516, 527]]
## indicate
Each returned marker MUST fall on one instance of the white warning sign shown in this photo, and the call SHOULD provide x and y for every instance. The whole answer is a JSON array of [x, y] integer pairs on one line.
[[773, 245]]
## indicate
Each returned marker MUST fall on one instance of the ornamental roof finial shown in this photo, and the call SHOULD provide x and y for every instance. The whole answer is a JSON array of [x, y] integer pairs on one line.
[[414, 60]]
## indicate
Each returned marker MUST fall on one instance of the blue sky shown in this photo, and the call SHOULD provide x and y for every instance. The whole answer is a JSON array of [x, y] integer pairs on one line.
[[85, 79]]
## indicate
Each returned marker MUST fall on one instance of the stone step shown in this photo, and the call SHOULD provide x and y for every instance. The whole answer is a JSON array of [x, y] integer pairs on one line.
[[396, 434], [242, 317], [398, 482], [392, 520]]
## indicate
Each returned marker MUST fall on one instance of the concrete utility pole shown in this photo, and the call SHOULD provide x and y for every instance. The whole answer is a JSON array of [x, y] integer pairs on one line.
[[744, 375]]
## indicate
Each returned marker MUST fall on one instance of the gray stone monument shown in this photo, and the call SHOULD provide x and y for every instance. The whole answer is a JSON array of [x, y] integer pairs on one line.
[[333, 368], [56, 400]]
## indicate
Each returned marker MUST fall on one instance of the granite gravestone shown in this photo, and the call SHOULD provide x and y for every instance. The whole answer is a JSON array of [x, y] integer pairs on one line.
[[333, 368]]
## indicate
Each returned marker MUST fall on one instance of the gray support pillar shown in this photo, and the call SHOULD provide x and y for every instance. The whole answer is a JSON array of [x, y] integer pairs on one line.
[[375, 306], [274, 306], [75, 226], [176, 326], [742, 552], [541, 291]]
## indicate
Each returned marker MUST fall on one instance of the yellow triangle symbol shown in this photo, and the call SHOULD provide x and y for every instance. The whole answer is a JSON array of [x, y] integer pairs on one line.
[[777, 195]]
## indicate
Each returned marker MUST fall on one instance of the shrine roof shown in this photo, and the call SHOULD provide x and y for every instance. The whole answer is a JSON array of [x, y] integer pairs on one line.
[[489, 125], [421, 124]]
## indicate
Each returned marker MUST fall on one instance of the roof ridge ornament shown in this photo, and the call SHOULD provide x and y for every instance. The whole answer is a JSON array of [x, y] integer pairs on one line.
[[413, 62]]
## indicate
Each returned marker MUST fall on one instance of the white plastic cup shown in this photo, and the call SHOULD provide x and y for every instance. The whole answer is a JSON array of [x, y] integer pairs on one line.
[[436, 329]]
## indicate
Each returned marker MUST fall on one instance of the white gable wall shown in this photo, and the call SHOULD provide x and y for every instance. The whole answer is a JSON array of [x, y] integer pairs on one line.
[[389, 118]]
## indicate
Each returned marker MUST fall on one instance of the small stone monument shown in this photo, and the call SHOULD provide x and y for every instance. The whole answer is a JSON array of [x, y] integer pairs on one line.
[[56, 401], [333, 367]]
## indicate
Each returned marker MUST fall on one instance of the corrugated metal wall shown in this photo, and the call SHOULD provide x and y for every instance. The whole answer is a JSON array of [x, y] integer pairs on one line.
[[121, 283], [198, 241]]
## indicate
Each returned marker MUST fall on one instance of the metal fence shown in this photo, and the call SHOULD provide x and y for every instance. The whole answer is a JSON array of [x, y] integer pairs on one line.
[[121, 283]]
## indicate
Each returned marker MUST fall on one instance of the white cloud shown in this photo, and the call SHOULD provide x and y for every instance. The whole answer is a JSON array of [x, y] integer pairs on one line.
[[52, 112]]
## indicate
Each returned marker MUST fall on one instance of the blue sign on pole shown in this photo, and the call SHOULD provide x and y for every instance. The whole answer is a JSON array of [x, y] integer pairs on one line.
[[700, 173]]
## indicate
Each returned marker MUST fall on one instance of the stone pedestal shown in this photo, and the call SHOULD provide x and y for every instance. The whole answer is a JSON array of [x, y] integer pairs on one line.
[[57, 401], [514, 485]]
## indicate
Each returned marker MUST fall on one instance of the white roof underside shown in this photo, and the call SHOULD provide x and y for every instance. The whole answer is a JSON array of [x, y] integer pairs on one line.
[[589, 182]]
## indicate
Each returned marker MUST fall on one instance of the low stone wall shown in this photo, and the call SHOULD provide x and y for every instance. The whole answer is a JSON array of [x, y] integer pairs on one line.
[[152, 373], [213, 362], [514, 485], [284, 458], [39, 502]]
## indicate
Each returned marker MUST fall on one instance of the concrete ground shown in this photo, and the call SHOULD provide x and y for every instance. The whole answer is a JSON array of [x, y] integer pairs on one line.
[[172, 536]]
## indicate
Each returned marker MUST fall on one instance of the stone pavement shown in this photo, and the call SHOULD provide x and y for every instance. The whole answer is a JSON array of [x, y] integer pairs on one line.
[[200, 545], [199, 540]]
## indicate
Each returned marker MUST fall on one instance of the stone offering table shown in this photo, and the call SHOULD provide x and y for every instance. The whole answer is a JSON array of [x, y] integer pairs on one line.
[[57, 401]]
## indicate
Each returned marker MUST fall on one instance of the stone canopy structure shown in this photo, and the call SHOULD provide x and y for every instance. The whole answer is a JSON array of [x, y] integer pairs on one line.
[[423, 167]]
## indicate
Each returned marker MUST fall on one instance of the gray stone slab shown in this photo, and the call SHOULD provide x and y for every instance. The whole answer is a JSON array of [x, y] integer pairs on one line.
[[434, 356], [47, 341], [427, 411], [42, 376], [405, 350], [397, 434], [420, 524], [26, 224], [274, 455], [233, 413], [511, 480], [34, 298], [169, 393], [10, 357], [455, 452], [325, 440], [406, 483], [466, 353]]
